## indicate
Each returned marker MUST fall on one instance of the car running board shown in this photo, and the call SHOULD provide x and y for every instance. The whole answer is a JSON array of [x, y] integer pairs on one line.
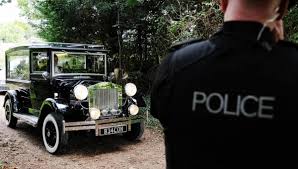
[[27, 118]]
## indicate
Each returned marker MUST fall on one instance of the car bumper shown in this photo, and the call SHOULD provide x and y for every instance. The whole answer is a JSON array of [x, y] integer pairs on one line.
[[97, 125]]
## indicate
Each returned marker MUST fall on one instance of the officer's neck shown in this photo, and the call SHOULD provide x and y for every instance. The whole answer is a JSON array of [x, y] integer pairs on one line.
[[236, 12]]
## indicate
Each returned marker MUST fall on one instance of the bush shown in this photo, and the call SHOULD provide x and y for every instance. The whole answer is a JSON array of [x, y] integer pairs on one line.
[[151, 122]]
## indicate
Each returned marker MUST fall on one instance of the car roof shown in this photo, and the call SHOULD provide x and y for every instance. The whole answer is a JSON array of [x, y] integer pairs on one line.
[[62, 46]]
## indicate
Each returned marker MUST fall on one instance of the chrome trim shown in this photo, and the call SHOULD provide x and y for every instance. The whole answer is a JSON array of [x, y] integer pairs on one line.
[[104, 126], [18, 80], [105, 100], [99, 124], [106, 65]]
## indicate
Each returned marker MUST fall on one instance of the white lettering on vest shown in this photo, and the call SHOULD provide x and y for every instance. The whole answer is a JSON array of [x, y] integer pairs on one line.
[[243, 103], [264, 105], [213, 97], [229, 112], [197, 101]]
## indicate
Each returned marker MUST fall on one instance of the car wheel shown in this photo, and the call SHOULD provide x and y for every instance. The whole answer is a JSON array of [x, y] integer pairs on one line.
[[52, 133], [137, 131], [10, 120]]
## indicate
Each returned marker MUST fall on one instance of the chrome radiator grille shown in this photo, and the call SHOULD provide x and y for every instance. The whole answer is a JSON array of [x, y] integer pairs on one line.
[[105, 99]]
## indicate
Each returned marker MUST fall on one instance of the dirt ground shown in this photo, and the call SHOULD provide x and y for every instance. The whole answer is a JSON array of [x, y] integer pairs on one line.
[[22, 148]]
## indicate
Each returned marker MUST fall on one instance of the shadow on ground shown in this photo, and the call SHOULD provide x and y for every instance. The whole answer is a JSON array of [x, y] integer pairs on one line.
[[80, 143]]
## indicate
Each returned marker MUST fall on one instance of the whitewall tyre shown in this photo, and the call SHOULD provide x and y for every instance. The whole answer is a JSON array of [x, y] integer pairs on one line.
[[52, 134], [10, 120]]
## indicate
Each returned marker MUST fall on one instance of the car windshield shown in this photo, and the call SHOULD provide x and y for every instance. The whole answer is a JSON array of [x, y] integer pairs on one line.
[[78, 63]]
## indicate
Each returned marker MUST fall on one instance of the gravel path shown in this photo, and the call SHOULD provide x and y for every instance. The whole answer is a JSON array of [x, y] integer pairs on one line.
[[22, 148]]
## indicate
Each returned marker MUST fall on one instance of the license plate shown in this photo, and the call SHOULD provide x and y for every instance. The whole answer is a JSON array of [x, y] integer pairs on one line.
[[113, 130]]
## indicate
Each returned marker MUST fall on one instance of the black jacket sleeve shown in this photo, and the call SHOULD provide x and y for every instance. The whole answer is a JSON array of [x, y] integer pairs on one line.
[[180, 57], [160, 90]]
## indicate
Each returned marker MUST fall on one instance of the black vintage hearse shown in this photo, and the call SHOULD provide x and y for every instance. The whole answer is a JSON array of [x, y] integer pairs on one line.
[[63, 87]]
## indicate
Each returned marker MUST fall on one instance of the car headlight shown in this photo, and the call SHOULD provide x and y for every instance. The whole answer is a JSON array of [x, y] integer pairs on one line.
[[94, 113], [130, 89], [133, 109], [80, 92]]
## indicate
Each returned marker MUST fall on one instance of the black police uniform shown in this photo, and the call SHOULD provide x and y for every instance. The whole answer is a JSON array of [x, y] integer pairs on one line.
[[230, 101]]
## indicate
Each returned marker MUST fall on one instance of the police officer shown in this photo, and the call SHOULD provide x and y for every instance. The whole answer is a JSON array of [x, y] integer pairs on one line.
[[232, 101]]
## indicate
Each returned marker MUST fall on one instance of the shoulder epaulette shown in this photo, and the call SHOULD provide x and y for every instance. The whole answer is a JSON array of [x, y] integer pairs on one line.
[[179, 45]]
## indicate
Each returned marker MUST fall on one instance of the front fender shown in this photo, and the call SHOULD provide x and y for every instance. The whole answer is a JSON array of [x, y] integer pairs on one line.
[[54, 105], [49, 106], [13, 96]]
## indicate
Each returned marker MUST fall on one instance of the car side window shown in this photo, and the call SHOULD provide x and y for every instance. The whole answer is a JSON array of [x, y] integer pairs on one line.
[[18, 65], [39, 61]]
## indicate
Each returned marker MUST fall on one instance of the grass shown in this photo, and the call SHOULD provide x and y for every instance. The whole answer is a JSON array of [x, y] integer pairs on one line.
[[1, 164], [153, 123]]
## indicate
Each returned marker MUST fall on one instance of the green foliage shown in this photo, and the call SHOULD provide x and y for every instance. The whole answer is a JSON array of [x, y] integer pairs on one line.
[[20, 68], [21, 71], [136, 32], [199, 21], [151, 122], [4, 1], [132, 2], [98, 22], [291, 24], [21, 32]]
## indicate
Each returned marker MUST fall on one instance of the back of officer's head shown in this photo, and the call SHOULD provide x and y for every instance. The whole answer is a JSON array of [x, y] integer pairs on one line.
[[252, 9]]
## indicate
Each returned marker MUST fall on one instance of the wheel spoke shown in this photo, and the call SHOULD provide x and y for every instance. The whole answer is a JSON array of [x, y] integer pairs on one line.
[[7, 113], [51, 134]]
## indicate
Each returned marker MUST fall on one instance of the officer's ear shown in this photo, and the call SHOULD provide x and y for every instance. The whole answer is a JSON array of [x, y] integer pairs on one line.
[[224, 5], [283, 9]]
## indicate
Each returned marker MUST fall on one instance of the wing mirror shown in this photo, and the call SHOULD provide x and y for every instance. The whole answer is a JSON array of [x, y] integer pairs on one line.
[[45, 75]]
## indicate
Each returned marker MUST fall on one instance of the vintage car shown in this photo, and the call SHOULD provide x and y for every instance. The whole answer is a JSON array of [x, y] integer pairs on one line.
[[64, 87]]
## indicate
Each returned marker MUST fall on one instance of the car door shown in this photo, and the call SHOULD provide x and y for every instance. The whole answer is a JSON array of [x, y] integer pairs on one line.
[[40, 88]]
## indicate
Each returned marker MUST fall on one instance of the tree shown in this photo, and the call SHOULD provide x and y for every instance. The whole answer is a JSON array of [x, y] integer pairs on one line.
[[291, 24], [113, 23], [4, 1], [137, 32], [21, 32]]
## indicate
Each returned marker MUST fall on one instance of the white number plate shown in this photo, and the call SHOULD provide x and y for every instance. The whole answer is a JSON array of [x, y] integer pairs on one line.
[[113, 130]]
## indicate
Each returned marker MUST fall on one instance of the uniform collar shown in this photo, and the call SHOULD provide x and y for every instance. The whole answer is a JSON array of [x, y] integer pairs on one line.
[[248, 30]]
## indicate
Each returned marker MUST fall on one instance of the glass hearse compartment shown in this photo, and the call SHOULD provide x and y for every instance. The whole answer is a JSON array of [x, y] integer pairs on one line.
[[61, 87]]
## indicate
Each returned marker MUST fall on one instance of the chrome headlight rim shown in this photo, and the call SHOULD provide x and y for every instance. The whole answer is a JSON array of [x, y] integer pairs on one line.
[[133, 110], [130, 89], [80, 92]]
